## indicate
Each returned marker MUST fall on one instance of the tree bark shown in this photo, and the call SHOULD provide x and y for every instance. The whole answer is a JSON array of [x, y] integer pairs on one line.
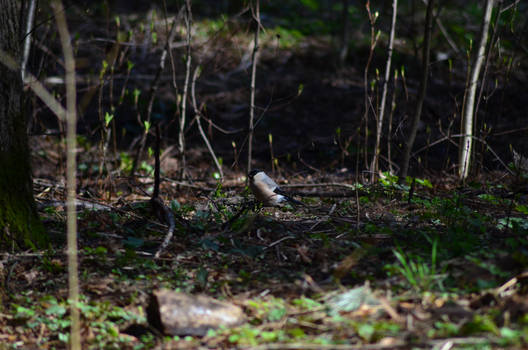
[[19, 221]]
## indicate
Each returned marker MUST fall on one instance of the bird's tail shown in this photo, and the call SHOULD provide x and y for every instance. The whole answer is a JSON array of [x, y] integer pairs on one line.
[[288, 197], [294, 201]]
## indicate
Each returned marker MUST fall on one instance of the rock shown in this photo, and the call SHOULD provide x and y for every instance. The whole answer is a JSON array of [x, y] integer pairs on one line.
[[183, 314]]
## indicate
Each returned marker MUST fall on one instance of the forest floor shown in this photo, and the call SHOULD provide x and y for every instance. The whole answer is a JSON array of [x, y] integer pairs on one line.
[[431, 264], [369, 269]]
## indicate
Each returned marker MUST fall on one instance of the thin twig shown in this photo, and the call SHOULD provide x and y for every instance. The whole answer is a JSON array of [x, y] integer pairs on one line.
[[152, 95], [422, 91], [167, 214], [448, 138], [189, 185], [377, 149], [188, 58], [506, 132], [373, 42], [322, 184], [197, 115], [27, 39], [444, 32], [255, 11], [488, 56], [36, 86], [279, 241]]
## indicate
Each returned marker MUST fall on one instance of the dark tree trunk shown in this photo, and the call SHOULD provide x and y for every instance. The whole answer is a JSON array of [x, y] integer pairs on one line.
[[19, 220]]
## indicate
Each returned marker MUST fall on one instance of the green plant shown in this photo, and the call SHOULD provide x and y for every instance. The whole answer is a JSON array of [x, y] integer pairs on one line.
[[421, 275], [126, 162], [104, 320], [306, 303], [99, 251], [271, 310], [248, 335]]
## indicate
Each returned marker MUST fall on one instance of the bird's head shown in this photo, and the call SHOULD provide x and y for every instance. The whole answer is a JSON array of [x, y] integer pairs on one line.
[[253, 172]]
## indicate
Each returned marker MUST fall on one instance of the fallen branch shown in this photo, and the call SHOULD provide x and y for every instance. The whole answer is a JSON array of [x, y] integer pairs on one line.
[[322, 184], [164, 212]]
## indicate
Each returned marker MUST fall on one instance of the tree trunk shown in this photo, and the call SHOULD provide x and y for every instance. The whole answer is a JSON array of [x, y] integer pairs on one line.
[[19, 221]]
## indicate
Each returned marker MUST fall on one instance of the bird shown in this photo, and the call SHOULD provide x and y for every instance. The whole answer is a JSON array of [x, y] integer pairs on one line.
[[267, 191]]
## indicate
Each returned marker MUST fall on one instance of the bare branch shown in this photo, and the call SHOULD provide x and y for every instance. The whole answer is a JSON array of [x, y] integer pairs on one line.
[[198, 114], [36, 86]]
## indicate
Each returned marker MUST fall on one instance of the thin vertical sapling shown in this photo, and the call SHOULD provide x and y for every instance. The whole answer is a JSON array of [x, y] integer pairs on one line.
[[375, 161], [71, 133], [152, 94], [421, 92], [198, 115], [188, 58], [255, 11], [373, 42], [469, 107]]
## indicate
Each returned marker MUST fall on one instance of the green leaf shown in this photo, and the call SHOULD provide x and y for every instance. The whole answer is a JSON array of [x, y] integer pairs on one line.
[[311, 4], [276, 314], [300, 89], [108, 118], [103, 69], [522, 209], [22, 312], [480, 324], [137, 92], [297, 333], [268, 336], [63, 337], [56, 310], [234, 338], [366, 331]]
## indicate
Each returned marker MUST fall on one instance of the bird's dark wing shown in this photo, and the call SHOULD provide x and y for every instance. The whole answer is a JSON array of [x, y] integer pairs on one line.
[[278, 190], [268, 181]]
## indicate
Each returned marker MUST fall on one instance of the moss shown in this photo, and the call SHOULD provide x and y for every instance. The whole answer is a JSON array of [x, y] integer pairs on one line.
[[19, 220]]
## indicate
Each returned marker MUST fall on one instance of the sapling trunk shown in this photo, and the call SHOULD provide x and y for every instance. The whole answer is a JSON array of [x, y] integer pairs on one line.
[[188, 59], [254, 60], [468, 117], [422, 91], [373, 41], [71, 133], [375, 161]]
